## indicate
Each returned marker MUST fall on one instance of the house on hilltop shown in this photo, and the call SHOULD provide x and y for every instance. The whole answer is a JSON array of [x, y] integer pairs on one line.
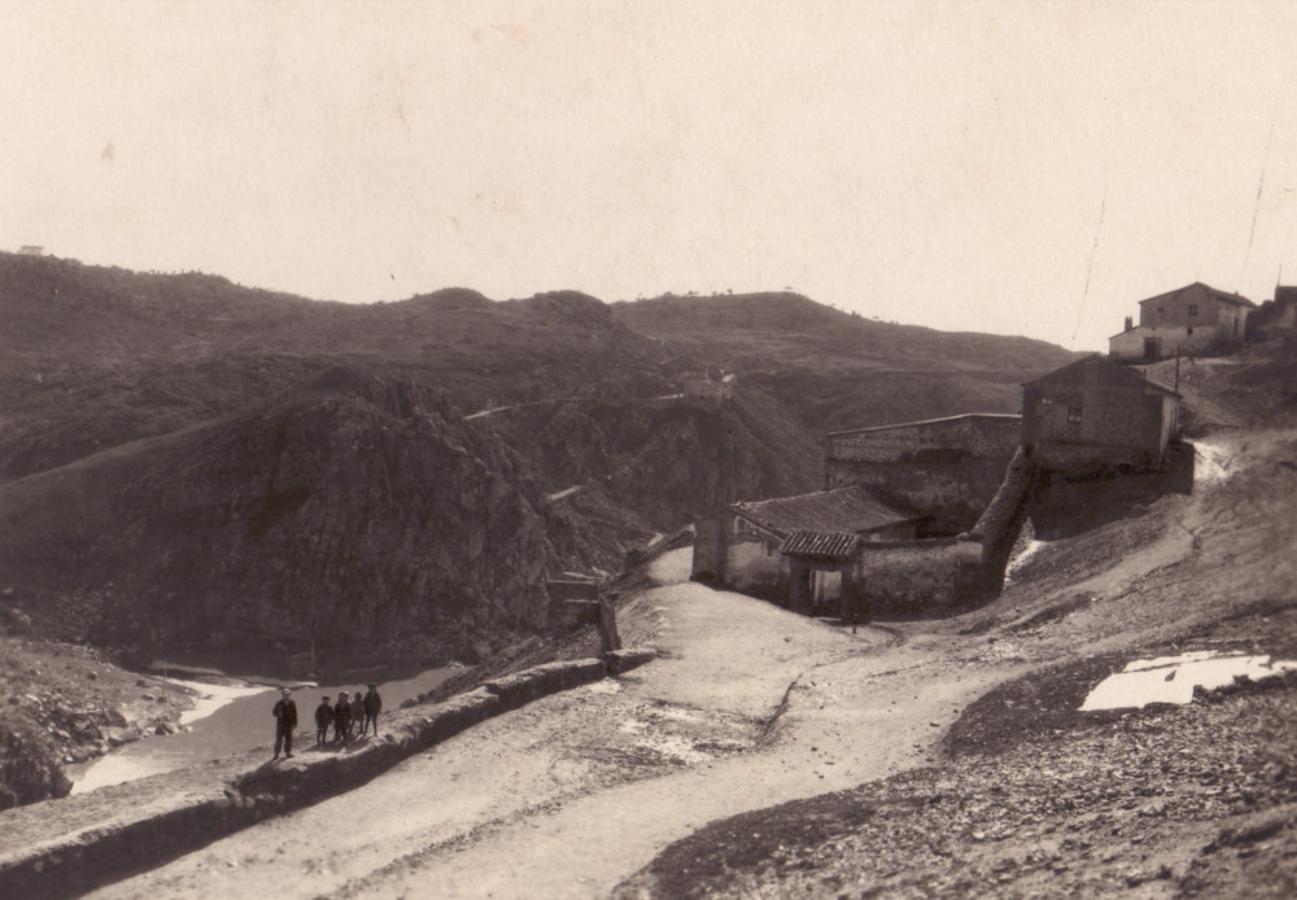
[[1097, 415], [1196, 318], [31, 250]]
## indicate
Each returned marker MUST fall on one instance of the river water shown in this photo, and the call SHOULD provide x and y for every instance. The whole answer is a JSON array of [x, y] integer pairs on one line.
[[231, 718]]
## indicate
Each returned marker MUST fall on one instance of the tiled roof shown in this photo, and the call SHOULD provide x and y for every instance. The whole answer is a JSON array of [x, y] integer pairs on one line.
[[848, 509], [835, 545], [1100, 369], [1215, 292]]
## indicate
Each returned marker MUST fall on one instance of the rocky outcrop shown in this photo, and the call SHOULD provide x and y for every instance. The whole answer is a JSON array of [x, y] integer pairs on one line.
[[30, 769], [357, 514]]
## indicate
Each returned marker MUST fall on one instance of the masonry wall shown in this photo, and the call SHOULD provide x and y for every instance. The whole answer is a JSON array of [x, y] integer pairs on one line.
[[1212, 314], [1003, 519], [1214, 324], [1063, 505], [948, 469], [730, 552], [1129, 346], [914, 579], [1119, 425], [709, 561], [754, 566]]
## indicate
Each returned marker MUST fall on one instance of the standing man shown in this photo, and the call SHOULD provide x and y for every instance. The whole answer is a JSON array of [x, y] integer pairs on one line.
[[358, 713], [341, 719], [323, 719], [285, 722], [373, 706]]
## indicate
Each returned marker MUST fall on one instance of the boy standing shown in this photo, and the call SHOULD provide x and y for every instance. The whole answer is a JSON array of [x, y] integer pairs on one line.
[[323, 719]]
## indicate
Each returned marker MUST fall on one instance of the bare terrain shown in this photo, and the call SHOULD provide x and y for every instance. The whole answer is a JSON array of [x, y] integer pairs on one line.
[[771, 755]]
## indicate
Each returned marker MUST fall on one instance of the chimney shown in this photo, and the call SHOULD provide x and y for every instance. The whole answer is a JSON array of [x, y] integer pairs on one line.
[[1130, 323]]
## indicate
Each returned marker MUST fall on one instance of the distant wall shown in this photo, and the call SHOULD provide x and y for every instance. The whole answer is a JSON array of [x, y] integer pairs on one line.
[[1063, 505], [950, 494], [947, 469], [973, 434], [1197, 308], [1129, 345], [1117, 425]]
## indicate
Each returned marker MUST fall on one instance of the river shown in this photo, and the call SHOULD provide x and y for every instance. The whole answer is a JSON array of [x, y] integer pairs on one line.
[[229, 719]]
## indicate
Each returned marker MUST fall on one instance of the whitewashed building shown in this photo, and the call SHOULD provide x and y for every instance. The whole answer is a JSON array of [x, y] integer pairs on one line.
[[1193, 319]]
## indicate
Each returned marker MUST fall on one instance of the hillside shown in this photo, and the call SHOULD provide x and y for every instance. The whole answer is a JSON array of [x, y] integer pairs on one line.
[[357, 515], [839, 370], [170, 434]]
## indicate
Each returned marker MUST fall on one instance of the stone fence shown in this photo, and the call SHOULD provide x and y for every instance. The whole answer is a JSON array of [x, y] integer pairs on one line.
[[105, 835]]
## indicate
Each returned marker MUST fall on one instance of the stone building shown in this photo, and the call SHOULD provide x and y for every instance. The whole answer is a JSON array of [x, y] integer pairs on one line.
[[1193, 319], [948, 468], [1095, 415], [1275, 317], [796, 551]]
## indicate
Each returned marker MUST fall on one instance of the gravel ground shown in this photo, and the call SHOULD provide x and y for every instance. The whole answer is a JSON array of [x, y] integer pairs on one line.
[[1188, 800], [1031, 797]]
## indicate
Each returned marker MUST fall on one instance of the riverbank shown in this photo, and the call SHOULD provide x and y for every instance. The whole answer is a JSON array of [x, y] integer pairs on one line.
[[61, 849], [753, 707], [72, 704]]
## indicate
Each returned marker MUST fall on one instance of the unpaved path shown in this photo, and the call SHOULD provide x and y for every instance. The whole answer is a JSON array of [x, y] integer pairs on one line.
[[754, 706], [568, 796]]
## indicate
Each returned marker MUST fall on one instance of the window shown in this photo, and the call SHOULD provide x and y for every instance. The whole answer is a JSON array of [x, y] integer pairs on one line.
[[1193, 310], [1074, 415], [1190, 329]]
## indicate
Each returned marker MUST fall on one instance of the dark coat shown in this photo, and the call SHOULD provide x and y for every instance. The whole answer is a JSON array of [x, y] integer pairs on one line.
[[373, 704], [341, 713], [286, 713], [358, 709], [323, 715]]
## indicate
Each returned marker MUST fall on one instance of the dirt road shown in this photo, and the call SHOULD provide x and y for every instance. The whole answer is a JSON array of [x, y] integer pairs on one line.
[[753, 706], [568, 796]]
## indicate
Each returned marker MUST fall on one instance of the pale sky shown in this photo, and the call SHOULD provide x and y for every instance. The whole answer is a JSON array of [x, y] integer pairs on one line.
[[930, 163]]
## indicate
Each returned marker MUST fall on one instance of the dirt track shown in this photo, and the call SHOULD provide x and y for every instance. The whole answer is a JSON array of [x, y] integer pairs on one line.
[[575, 792], [755, 707], [1032, 797]]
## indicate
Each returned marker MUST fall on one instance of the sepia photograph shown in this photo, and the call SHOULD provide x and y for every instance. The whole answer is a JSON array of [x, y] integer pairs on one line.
[[648, 449]]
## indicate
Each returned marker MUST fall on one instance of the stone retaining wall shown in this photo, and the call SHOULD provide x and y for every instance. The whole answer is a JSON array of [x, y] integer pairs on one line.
[[112, 837]]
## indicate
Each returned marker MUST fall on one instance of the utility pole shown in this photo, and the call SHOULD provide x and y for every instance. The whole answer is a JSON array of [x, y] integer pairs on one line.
[[1177, 369]]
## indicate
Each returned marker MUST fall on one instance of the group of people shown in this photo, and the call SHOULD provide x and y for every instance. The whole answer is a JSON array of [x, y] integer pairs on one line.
[[348, 718]]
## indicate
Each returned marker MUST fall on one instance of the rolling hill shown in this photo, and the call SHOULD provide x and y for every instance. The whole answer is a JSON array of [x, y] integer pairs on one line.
[[186, 461]]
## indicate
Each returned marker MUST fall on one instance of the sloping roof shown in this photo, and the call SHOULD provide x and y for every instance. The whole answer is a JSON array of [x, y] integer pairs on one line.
[[1100, 368], [848, 510], [922, 422], [1215, 292], [835, 545]]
